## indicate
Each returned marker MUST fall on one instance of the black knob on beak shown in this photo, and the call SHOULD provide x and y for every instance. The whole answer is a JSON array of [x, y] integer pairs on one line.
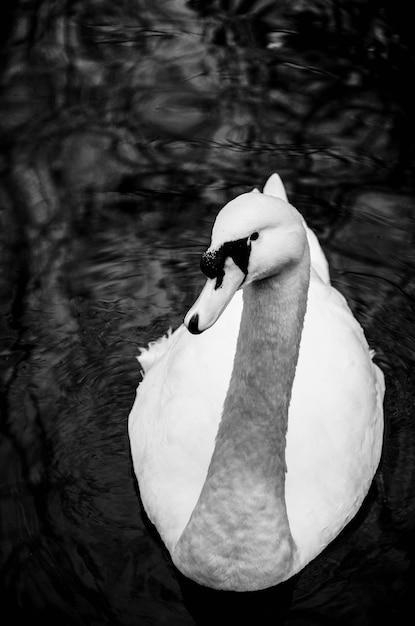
[[212, 262]]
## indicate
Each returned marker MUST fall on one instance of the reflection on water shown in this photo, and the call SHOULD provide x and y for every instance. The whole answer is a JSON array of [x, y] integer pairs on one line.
[[125, 127]]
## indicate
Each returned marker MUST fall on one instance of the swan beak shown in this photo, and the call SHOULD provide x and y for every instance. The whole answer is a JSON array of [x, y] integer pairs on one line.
[[214, 299]]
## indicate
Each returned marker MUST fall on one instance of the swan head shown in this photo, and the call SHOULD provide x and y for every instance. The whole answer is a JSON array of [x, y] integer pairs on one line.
[[254, 237]]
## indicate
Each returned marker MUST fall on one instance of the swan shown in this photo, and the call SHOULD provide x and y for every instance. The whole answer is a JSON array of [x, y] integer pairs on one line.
[[255, 436]]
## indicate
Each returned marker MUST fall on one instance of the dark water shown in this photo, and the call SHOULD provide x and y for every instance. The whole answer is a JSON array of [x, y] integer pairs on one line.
[[125, 126]]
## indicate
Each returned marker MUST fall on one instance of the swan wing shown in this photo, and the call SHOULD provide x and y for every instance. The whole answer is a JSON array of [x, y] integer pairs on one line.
[[334, 427], [335, 423], [175, 417]]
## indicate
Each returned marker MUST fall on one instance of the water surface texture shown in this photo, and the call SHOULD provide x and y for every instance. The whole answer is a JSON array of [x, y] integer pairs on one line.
[[125, 126]]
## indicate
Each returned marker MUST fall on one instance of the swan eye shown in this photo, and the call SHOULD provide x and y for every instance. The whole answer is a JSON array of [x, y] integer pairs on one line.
[[254, 236]]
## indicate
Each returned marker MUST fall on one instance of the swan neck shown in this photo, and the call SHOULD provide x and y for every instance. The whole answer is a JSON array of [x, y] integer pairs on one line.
[[264, 367], [238, 536]]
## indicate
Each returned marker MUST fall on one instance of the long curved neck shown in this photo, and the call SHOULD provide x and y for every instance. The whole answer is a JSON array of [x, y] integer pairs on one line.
[[238, 536]]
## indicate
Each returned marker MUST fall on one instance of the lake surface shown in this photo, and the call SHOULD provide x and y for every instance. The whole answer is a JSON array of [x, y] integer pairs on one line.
[[125, 127]]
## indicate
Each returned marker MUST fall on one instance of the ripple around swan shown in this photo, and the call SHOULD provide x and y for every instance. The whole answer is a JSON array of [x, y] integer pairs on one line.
[[124, 128]]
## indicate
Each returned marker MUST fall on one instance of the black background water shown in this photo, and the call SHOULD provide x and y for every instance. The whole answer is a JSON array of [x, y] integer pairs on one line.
[[124, 127]]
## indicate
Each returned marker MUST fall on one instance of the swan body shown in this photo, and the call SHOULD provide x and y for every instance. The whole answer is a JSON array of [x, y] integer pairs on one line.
[[255, 437]]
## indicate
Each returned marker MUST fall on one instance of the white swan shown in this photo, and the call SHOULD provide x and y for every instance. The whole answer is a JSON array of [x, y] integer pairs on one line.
[[256, 441]]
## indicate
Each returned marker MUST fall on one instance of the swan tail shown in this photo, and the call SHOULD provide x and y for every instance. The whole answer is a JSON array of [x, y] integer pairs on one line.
[[275, 187]]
